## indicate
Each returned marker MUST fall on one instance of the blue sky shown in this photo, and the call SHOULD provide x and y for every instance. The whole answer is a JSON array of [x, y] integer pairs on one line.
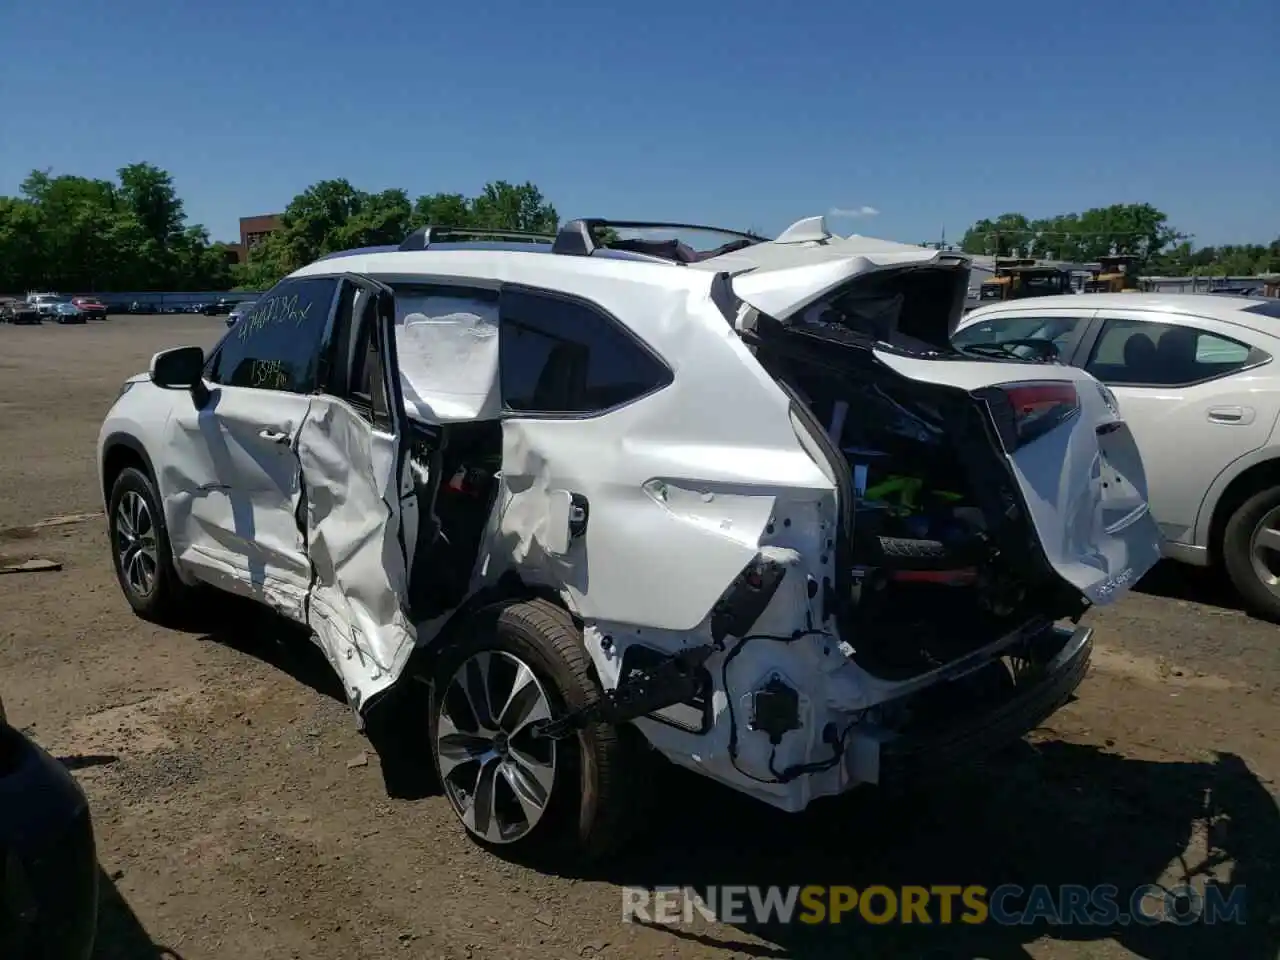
[[745, 114]]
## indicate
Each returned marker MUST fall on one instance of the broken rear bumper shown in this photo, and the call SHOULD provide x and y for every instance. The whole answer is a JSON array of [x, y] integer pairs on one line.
[[1057, 661]]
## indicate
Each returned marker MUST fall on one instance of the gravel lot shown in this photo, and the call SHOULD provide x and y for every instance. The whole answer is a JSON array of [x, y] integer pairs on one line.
[[240, 814]]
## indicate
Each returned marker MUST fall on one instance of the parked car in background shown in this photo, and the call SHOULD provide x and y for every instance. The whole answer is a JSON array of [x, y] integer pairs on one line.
[[91, 307], [67, 312], [46, 304], [220, 307], [857, 540], [19, 311], [238, 311], [49, 870], [1195, 378]]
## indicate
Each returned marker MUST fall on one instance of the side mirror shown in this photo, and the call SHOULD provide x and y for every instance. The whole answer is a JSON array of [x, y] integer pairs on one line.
[[181, 368], [177, 369]]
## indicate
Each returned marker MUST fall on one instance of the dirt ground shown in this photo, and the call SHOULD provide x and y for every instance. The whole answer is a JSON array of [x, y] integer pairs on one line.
[[240, 814]]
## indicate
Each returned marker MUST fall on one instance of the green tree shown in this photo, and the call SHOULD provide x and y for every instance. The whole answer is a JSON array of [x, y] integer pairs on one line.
[[334, 215], [76, 234], [443, 210], [1139, 229], [503, 206]]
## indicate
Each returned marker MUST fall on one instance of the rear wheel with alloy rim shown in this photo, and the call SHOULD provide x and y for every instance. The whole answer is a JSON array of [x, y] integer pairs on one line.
[[509, 666], [140, 548], [497, 774], [1251, 552]]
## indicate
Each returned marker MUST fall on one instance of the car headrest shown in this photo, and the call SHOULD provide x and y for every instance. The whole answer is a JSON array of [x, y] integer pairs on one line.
[[1139, 352]]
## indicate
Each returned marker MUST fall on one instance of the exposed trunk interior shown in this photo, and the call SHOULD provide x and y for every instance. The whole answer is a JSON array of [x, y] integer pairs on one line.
[[942, 559], [914, 308], [457, 480]]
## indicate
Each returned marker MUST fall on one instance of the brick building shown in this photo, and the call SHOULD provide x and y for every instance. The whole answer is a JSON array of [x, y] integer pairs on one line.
[[253, 229]]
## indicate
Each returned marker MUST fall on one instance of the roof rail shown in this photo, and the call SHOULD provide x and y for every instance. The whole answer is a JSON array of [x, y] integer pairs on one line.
[[423, 237], [580, 238]]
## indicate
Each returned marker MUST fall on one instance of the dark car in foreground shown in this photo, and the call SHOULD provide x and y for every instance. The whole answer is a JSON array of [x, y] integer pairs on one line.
[[48, 865]]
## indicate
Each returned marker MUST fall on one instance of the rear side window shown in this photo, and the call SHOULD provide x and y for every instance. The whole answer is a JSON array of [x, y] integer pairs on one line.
[[276, 344], [564, 356], [1144, 353]]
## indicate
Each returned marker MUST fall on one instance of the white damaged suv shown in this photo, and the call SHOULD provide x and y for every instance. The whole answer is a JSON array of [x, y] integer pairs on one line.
[[603, 491]]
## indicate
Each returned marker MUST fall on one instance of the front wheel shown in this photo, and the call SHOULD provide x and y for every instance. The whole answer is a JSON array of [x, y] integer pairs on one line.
[[140, 549], [516, 664], [1251, 552]]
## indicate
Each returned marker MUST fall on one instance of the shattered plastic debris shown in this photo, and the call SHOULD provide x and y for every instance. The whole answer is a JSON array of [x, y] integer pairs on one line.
[[67, 519], [34, 565], [27, 530]]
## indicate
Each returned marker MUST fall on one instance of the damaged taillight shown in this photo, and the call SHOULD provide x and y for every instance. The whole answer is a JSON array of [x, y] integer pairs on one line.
[[1023, 412]]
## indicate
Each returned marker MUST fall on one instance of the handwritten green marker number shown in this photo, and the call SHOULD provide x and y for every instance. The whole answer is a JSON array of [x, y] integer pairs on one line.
[[272, 311]]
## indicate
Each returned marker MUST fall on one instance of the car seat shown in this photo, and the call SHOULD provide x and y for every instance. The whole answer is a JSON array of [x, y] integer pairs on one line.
[[1139, 358], [1176, 355]]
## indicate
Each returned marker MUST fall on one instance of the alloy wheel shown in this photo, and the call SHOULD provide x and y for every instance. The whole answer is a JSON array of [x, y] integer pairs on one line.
[[497, 775], [136, 543]]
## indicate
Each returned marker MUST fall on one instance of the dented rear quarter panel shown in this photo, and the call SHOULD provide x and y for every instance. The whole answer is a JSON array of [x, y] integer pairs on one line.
[[718, 441]]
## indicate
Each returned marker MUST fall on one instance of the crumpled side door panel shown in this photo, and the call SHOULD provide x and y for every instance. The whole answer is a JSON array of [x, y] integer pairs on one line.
[[357, 493], [231, 488], [359, 570]]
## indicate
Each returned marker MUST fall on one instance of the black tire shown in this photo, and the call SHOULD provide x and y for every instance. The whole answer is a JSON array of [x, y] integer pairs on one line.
[[905, 553], [909, 549], [1237, 557], [168, 595], [590, 809]]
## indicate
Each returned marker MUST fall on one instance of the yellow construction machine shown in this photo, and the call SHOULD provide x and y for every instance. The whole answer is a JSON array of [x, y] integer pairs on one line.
[[1115, 274], [1014, 278]]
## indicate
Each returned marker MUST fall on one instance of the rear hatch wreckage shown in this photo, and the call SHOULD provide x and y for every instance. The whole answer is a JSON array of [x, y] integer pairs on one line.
[[1052, 474]]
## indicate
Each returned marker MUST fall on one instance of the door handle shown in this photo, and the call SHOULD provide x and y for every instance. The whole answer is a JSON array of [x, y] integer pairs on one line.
[[1231, 415], [274, 436]]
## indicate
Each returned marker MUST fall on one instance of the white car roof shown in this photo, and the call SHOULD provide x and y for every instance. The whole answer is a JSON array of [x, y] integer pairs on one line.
[[778, 277], [1217, 306]]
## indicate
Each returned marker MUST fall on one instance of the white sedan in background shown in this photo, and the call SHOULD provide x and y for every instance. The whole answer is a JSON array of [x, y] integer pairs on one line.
[[1195, 378]]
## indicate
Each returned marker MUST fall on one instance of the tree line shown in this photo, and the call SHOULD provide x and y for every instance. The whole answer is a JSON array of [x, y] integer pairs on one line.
[[1138, 229], [80, 234], [333, 215]]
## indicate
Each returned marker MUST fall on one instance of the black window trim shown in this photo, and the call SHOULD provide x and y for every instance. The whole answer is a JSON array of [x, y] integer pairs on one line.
[[1260, 357], [607, 317]]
